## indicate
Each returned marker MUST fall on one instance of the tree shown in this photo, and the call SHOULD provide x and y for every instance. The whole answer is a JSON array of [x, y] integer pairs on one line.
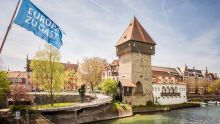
[[47, 71], [110, 87], [214, 87], [4, 84], [19, 93], [91, 70], [69, 76]]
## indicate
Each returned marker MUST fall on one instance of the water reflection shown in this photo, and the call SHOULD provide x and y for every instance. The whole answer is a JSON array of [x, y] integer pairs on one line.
[[200, 115]]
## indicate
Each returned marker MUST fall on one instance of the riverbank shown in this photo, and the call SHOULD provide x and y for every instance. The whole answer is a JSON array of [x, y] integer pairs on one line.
[[144, 110], [161, 108], [110, 111], [103, 112], [196, 115]]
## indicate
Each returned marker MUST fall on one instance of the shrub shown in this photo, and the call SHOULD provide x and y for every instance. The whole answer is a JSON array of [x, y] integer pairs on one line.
[[149, 103], [22, 109]]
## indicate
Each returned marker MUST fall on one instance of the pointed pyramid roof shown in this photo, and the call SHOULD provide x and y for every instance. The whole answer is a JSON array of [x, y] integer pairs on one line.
[[135, 32]]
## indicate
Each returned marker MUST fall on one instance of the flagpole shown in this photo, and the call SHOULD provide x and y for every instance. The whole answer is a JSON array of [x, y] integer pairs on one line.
[[9, 27]]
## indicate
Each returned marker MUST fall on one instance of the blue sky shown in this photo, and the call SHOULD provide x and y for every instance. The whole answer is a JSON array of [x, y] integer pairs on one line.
[[186, 31]]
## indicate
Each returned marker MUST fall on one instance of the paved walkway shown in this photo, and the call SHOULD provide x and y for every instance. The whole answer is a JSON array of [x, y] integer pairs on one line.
[[4, 110], [99, 100]]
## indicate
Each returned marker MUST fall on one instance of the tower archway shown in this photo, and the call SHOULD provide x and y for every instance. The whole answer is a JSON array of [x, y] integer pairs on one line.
[[139, 88]]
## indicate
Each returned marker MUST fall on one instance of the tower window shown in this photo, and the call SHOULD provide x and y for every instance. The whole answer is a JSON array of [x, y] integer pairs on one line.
[[125, 36]]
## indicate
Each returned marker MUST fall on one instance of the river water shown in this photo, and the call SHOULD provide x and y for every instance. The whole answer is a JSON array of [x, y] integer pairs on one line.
[[198, 115]]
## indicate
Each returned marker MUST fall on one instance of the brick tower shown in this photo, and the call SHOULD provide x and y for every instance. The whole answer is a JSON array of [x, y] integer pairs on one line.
[[134, 50]]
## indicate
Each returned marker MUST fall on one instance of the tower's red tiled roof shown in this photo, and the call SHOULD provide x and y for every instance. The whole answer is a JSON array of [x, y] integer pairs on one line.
[[135, 32]]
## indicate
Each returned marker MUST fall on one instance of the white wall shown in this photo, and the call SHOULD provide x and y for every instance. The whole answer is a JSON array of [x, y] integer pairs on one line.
[[108, 75], [165, 100]]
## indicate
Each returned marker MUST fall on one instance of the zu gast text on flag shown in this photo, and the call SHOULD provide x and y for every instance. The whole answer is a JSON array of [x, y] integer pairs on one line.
[[31, 18]]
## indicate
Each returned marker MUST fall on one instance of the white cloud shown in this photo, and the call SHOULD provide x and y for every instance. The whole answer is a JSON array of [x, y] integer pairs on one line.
[[93, 27]]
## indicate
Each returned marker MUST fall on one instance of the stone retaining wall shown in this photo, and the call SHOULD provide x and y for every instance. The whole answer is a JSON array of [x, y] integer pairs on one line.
[[148, 110], [99, 113], [160, 109], [45, 99]]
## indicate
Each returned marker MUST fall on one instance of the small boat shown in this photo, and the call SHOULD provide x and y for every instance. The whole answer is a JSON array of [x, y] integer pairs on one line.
[[217, 102], [211, 102], [203, 103]]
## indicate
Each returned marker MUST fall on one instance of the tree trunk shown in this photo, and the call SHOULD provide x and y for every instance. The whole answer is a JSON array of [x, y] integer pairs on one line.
[[91, 86], [51, 98], [51, 81]]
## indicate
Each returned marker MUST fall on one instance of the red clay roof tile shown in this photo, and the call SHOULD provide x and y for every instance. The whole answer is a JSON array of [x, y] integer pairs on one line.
[[135, 32]]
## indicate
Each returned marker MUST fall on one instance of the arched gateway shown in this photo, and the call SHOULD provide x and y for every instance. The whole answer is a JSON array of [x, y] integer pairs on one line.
[[139, 88]]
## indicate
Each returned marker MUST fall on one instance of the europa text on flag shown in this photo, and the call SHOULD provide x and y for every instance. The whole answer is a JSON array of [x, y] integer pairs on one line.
[[33, 19]]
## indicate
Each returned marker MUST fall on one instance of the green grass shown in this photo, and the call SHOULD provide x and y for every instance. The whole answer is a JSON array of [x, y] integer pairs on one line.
[[55, 105], [120, 107]]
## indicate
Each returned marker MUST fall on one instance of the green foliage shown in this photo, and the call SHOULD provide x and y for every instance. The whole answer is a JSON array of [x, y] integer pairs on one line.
[[22, 108], [55, 105], [149, 103], [214, 87], [82, 92], [47, 71], [4, 83], [120, 107], [110, 87]]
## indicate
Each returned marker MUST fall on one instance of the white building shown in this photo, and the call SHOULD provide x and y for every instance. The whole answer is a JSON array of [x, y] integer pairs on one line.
[[111, 71], [168, 86], [167, 83]]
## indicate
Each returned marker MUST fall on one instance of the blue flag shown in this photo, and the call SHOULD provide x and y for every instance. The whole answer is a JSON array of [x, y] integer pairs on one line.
[[32, 19]]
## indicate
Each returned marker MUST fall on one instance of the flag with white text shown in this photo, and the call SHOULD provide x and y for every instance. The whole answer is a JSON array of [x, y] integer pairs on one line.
[[34, 20]]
